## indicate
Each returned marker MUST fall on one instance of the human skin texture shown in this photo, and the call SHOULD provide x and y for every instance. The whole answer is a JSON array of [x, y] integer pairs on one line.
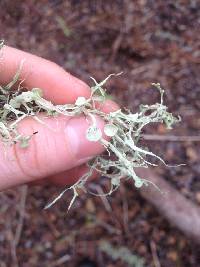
[[57, 155]]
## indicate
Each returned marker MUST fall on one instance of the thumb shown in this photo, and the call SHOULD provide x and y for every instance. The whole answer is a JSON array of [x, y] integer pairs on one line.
[[59, 145]]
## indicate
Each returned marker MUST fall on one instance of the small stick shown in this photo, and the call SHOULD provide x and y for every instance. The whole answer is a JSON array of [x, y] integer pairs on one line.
[[173, 138], [154, 254]]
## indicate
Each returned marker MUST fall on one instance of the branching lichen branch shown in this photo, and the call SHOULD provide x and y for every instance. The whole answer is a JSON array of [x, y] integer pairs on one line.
[[124, 154]]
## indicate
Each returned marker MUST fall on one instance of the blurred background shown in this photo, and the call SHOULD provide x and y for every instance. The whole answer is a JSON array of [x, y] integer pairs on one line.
[[150, 41]]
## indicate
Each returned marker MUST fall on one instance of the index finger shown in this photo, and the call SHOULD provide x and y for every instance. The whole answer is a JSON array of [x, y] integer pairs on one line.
[[58, 86]]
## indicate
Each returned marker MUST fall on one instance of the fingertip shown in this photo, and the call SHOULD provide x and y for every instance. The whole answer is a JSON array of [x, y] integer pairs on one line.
[[58, 85], [110, 106], [107, 106]]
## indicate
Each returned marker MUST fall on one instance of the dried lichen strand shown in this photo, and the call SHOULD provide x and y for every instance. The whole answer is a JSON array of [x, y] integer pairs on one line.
[[122, 127]]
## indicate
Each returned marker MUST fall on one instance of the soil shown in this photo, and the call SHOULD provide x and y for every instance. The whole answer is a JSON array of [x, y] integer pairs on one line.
[[150, 41]]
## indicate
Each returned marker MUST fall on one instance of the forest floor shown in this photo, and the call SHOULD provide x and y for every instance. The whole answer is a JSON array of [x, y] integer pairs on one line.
[[150, 41]]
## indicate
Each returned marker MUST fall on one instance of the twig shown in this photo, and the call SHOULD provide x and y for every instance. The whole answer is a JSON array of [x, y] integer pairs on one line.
[[22, 204], [12, 248], [174, 138], [125, 209], [178, 210], [60, 261], [15, 238], [108, 227], [154, 254], [103, 198]]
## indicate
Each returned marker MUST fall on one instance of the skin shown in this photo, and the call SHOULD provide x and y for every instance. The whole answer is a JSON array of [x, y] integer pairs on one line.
[[58, 155]]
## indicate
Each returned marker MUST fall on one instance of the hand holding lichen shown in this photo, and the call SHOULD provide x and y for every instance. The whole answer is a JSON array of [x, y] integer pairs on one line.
[[120, 136], [55, 149], [124, 130]]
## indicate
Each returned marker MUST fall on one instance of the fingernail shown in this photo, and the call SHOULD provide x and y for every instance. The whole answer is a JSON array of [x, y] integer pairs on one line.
[[81, 149]]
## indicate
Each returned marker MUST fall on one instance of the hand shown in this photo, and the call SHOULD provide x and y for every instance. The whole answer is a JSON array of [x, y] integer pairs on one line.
[[59, 155]]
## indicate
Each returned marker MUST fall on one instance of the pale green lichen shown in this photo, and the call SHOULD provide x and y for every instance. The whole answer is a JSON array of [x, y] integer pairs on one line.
[[122, 253], [124, 155], [123, 152]]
